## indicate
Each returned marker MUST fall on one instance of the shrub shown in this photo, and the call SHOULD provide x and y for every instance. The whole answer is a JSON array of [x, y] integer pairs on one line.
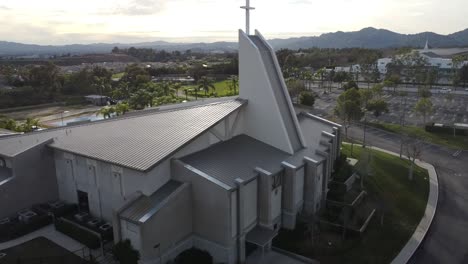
[[350, 85], [124, 253], [194, 255], [306, 98], [79, 233], [17, 229]]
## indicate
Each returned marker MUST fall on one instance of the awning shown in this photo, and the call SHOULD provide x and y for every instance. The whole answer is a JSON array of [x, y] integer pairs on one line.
[[260, 236]]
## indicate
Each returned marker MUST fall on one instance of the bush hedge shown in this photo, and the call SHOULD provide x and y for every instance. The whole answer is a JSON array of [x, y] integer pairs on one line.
[[16, 229], [445, 130], [306, 98], [79, 233], [194, 255]]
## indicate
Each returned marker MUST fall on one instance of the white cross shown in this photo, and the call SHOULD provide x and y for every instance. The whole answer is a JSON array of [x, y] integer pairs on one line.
[[247, 8]]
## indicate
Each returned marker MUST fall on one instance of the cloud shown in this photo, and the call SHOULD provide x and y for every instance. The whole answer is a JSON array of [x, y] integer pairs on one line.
[[137, 8], [4, 8]]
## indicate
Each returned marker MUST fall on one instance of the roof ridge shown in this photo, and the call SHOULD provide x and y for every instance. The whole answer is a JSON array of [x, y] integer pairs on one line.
[[123, 117]]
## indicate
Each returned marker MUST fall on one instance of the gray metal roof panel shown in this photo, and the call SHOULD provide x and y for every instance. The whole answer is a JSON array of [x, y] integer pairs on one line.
[[138, 142], [146, 206], [237, 158]]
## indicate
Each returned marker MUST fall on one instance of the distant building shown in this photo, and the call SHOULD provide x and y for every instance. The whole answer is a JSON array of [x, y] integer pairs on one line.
[[99, 100], [440, 59]]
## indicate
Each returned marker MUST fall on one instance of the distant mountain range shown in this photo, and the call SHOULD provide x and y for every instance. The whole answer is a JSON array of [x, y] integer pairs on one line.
[[365, 38]]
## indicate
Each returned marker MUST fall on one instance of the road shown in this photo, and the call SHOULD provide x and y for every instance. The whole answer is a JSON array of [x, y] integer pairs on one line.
[[447, 239]]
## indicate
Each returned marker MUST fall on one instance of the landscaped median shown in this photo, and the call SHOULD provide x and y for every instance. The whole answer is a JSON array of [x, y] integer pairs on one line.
[[400, 207]]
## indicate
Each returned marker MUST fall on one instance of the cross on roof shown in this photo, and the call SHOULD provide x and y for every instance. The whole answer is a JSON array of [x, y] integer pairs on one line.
[[247, 8]]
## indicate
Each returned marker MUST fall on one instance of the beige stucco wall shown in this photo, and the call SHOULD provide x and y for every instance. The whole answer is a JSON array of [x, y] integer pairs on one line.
[[170, 225]]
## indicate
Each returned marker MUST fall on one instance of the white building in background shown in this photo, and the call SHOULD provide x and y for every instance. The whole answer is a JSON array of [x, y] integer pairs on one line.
[[436, 58], [215, 176]]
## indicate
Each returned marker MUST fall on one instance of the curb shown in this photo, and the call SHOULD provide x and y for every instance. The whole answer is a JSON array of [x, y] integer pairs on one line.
[[421, 230]]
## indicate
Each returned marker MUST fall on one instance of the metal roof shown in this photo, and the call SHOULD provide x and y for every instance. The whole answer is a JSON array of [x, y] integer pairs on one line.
[[146, 206], [237, 158], [138, 142]]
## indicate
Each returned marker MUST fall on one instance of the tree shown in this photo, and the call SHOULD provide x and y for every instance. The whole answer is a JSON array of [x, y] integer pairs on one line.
[[166, 88], [141, 99], [425, 93], [377, 90], [206, 84], [392, 81], [319, 75], [124, 253], [424, 107], [29, 125], [233, 83], [8, 123], [348, 108], [341, 77], [378, 107], [366, 97], [307, 98], [121, 108], [368, 64], [176, 87], [464, 75], [295, 87], [350, 85], [106, 112], [413, 151], [432, 77]]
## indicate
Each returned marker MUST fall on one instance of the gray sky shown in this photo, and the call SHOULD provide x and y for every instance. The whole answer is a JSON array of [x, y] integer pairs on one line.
[[128, 21]]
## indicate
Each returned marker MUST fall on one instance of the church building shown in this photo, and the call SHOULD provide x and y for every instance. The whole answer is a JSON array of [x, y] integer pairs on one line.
[[216, 176]]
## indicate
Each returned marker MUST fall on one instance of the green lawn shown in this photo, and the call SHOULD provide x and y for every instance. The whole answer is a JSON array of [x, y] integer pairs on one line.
[[419, 132], [222, 89], [389, 191], [118, 75]]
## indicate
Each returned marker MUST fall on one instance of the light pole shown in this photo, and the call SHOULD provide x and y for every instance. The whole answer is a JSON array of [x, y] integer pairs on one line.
[[64, 112]]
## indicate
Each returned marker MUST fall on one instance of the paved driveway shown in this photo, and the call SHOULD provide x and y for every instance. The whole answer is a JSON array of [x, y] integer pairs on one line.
[[271, 257]]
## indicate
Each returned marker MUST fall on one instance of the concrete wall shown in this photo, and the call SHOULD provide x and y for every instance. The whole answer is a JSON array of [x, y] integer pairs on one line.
[[251, 206], [211, 207], [132, 232], [313, 186], [262, 118], [107, 190], [170, 225], [109, 186], [33, 180]]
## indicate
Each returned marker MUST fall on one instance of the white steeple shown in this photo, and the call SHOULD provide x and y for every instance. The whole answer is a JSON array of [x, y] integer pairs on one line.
[[426, 47], [247, 8]]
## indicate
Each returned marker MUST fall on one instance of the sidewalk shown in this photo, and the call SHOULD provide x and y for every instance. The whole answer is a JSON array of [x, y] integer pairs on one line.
[[413, 243], [48, 232]]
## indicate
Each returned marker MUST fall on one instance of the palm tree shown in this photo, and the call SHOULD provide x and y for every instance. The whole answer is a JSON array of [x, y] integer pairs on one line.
[[121, 108], [206, 83], [234, 83], [29, 125], [166, 87], [175, 87], [106, 112]]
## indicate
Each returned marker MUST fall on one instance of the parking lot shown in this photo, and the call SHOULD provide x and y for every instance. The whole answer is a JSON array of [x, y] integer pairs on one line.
[[446, 109]]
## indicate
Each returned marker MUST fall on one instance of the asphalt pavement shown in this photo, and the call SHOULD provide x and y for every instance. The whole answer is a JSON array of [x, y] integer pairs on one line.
[[447, 239]]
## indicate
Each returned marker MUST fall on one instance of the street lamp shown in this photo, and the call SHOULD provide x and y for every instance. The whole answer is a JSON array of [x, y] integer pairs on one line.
[[64, 112]]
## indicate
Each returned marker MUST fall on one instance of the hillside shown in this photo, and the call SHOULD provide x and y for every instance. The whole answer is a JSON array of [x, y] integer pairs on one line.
[[365, 38]]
